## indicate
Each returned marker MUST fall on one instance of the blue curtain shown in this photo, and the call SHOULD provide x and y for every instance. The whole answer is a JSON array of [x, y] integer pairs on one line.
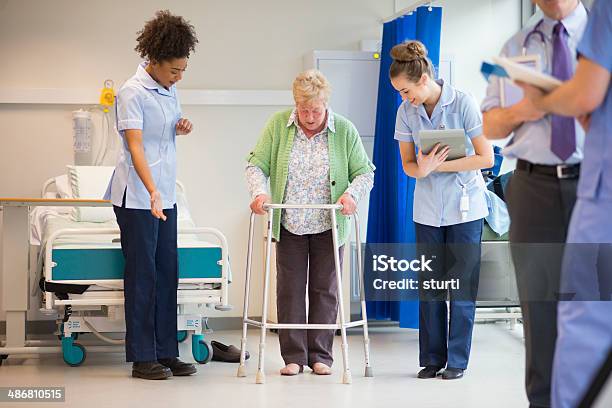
[[390, 213]]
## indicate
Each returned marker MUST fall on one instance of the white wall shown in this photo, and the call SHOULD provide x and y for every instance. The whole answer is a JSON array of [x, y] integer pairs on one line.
[[473, 31], [243, 45]]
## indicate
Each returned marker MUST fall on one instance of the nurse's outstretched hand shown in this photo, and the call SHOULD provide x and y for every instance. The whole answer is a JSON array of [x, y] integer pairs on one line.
[[430, 162], [183, 127], [258, 203], [157, 206], [348, 204]]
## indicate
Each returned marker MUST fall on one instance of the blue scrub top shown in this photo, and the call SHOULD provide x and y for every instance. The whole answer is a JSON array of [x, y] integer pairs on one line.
[[144, 104], [437, 197], [531, 140], [577, 359], [595, 46]]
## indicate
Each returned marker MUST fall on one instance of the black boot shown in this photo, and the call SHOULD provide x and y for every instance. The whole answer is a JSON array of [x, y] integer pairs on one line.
[[150, 370], [178, 367]]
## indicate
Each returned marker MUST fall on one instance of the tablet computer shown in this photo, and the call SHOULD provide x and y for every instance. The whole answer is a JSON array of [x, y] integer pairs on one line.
[[454, 138]]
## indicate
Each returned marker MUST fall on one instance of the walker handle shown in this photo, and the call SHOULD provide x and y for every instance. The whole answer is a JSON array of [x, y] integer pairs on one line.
[[304, 206]]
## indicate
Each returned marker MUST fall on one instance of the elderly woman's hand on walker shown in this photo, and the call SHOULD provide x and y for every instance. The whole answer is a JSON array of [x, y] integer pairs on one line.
[[258, 203], [349, 206]]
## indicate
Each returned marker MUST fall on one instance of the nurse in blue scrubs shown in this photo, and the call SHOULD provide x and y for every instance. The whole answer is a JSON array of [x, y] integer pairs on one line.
[[449, 205], [585, 322], [142, 191]]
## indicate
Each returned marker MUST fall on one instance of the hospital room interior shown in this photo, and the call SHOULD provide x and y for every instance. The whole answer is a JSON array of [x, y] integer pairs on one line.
[[100, 186]]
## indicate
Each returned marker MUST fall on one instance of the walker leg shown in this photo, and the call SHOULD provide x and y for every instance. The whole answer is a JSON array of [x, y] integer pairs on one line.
[[242, 367], [366, 337], [241, 371], [261, 377], [366, 342], [243, 342], [346, 375], [347, 378]]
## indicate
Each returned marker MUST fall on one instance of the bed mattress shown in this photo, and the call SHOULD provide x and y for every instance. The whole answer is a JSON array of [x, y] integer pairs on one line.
[[99, 257]]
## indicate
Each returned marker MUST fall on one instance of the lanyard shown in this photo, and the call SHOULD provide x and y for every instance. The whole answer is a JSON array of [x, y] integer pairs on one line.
[[464, 203]]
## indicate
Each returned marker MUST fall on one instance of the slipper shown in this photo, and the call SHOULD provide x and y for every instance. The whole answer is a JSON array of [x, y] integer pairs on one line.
[[228, 354]]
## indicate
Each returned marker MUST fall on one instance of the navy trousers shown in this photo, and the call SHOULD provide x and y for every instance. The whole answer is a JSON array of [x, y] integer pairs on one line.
[[150, 282], [444, 340]]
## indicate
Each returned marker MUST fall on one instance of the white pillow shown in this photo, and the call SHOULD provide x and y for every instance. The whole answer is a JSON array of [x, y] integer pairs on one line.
[[63, 187], [90, 182], [183, 208]]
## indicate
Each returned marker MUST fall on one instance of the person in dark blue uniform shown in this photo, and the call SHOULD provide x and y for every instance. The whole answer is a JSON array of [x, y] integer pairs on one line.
[[449, 204], [143, 194]]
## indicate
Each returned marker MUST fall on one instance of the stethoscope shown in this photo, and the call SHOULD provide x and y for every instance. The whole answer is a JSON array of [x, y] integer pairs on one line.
[[537, 32]]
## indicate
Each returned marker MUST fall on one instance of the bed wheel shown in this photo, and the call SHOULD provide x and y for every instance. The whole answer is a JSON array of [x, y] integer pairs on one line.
[[201, 349], [73, 353], [75, 336], [181, 335]]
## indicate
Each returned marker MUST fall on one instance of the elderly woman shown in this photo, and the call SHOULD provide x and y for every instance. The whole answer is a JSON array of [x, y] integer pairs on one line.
[[311, 156]]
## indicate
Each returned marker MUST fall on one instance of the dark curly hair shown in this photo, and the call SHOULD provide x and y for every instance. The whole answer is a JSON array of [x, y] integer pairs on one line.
[[166, 37]]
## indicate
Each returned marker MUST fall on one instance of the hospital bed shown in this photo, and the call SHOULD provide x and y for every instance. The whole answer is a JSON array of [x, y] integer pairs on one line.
[[80, 267]]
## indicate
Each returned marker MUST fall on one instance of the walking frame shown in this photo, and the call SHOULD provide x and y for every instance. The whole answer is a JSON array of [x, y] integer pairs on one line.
[[264, 325]]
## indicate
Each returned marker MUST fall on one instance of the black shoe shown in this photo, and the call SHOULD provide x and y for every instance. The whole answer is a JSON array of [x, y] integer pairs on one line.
[[452, 373], [429, 372], [178, 367], [228, 354], [150, 370]]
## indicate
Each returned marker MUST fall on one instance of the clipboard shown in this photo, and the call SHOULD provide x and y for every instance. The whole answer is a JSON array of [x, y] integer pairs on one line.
[[520, 72], [509, 93]]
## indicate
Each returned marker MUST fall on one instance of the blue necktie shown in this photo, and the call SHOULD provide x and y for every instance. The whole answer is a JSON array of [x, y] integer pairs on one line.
[[563, 136]]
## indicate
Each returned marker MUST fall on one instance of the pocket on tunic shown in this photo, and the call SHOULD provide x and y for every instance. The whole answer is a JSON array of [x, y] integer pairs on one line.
[[453, 121], [472, 179]]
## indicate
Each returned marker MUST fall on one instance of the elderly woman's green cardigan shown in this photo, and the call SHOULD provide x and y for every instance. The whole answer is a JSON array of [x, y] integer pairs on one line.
[[347, 160]]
